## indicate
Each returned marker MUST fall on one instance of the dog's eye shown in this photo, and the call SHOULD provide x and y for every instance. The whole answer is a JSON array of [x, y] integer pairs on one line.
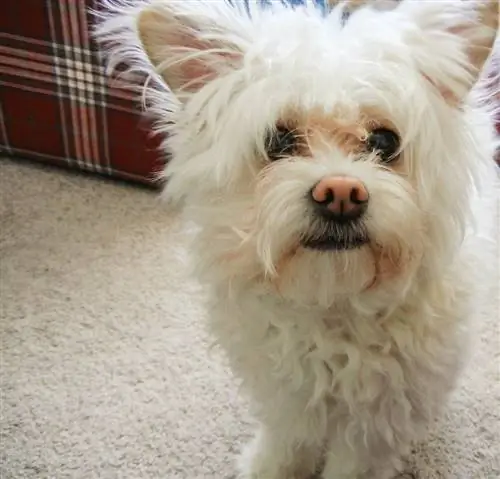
[[280, 142], [385, 142]]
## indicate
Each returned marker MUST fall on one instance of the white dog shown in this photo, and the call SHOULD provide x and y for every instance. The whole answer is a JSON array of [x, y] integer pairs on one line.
[[328, 158]]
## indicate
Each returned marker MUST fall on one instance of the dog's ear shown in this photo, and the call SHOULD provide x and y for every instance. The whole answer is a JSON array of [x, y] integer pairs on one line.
[[483, 43], [190, 42], [458, 38]]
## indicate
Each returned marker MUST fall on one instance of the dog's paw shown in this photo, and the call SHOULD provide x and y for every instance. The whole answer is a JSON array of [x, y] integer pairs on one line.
[[254, 466], [257, 464]]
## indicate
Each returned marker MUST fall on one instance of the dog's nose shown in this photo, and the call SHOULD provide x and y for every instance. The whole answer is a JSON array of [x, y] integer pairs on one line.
[[341, 197]]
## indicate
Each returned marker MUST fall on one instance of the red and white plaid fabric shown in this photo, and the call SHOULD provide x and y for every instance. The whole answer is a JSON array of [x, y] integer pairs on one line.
[[56, 103]]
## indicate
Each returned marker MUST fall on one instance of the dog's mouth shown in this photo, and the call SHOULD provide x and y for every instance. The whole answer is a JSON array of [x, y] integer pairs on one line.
[[334, 236], [329, 243]]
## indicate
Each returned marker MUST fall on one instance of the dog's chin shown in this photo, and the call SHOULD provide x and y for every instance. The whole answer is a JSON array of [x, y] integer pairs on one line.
[[335, 243]]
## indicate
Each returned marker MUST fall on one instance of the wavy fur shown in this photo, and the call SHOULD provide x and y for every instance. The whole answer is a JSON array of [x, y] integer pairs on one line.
[[346, 356]]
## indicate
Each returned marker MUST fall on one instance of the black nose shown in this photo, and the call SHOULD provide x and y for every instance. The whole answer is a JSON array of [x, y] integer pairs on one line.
[[340, 197]]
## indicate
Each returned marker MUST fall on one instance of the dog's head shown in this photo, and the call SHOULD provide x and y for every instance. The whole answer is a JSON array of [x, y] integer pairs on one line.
[[321, 152]]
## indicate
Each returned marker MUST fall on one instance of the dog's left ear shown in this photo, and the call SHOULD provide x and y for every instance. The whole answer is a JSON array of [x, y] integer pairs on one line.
[[483, 42], [190, 43], [458, 37]]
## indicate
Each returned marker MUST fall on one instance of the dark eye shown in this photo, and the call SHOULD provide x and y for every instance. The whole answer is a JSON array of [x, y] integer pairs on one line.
[[385, 142], [280, 142]]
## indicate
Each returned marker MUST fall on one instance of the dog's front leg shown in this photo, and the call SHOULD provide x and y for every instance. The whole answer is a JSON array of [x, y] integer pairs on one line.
[[287, 445], [369, 444], [346, 462], [273, 455]]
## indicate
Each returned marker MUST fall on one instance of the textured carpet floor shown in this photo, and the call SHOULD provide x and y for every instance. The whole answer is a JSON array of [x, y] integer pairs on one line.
[[105, 371]]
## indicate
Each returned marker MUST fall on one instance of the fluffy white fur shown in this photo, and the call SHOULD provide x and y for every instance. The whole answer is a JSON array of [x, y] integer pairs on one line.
[[347, 355]]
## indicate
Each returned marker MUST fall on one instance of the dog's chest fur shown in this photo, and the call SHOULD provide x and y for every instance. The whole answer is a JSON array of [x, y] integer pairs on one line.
[[340, 356]]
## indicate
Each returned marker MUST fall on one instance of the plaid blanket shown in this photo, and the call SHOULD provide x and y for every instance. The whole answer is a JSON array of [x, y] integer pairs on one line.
[[56, 103]]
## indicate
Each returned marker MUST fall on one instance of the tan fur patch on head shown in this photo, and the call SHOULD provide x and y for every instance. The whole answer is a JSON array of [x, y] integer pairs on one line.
[[317, 130], [347, 135]]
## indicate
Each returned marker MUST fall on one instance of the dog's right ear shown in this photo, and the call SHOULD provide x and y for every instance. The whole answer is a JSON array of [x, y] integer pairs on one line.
[[191, 42], [188, 42]]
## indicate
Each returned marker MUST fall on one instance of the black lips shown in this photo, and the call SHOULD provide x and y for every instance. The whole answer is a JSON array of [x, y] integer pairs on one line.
[[332, 236]]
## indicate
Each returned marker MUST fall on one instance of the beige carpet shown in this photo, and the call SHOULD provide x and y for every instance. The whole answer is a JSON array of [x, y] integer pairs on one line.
[[105, 369]]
